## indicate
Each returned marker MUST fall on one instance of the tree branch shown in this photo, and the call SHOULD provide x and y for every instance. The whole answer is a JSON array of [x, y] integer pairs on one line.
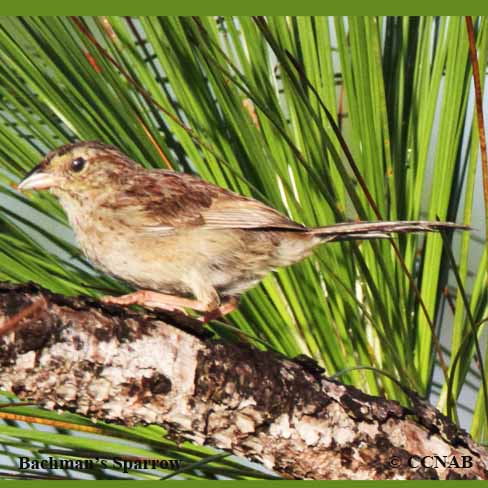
[[123, 366]]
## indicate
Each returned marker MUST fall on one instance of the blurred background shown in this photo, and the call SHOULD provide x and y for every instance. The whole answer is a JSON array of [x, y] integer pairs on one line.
[[325, 119]]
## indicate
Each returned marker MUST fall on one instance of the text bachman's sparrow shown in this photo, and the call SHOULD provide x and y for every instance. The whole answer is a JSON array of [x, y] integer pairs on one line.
[[183, 242]]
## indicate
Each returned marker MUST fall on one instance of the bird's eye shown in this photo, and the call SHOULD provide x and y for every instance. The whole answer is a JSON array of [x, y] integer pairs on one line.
[[78, 164]]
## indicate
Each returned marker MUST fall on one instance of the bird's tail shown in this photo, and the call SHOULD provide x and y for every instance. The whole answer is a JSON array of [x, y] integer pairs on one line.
[[379, 230]]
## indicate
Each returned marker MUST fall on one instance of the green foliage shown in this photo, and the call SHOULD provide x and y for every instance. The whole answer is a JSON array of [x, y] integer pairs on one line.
[[264, 106]]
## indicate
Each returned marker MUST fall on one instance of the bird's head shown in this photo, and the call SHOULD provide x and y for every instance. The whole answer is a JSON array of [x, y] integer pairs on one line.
[[77, 169]]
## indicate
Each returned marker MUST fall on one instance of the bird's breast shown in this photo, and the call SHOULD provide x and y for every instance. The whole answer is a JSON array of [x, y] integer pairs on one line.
[[146, 261]]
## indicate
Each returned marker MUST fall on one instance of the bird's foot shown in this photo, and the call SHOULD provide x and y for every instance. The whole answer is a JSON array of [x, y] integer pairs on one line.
[[151, 299], [170, 303], [229, 306]]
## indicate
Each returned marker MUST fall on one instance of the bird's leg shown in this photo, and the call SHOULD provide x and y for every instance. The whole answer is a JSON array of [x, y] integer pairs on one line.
[[171, 303], [225, 308], [153, 299]]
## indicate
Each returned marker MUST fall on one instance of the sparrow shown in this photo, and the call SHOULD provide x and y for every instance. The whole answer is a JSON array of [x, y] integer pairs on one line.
[[182, 242]]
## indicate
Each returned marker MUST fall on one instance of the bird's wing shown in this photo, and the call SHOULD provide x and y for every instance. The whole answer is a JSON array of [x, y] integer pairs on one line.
[[242, 213], [163, 201]]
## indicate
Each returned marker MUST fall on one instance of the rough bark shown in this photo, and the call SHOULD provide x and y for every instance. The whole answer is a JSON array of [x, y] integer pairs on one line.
[[127, 367]]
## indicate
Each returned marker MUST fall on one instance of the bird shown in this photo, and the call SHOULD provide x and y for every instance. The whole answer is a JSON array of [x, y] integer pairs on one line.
[[180, 241]]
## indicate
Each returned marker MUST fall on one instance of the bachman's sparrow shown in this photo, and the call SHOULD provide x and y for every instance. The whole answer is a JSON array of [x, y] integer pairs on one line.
[[183, 242]]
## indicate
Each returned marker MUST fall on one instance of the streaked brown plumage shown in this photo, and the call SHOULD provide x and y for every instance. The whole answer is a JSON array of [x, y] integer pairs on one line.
[[183, 241]]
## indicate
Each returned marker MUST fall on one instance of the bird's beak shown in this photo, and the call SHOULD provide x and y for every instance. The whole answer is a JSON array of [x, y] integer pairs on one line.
[[38, 180]]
